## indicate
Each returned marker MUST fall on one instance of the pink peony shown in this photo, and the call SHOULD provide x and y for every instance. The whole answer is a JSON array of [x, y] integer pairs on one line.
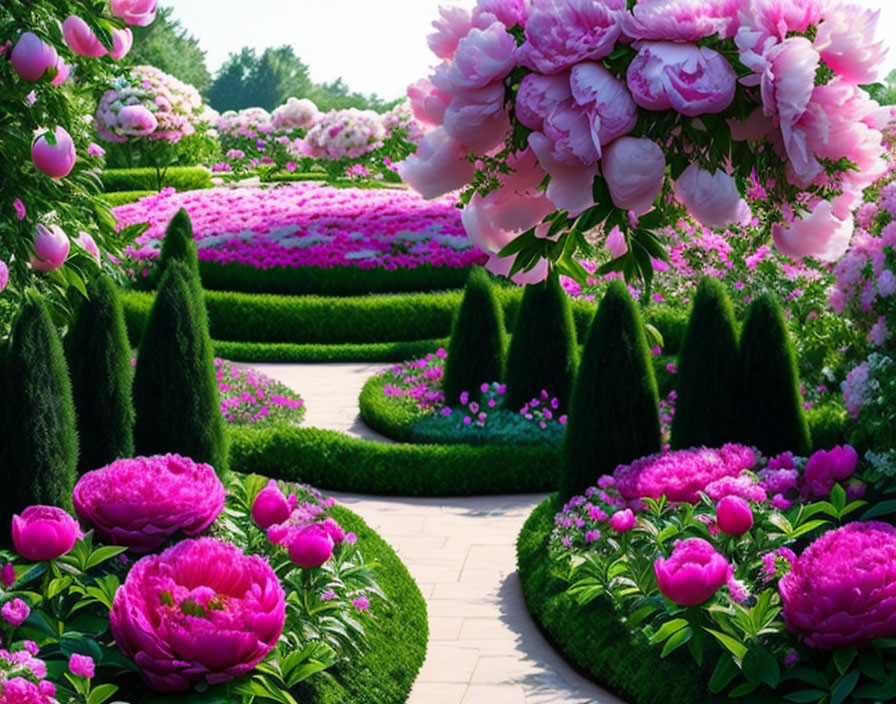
[[571, 186], [32, 57], [122, 41], [140, 503], [58, 159], [845, 41], [135, 12], [453, 25], [43, 533], [82, 666], [439, 165], [201, 611], [509, 12], [15, 612], [539, 96], [51, 247], [734, 515], [616, 243], [137, 121], [622, 521], [842, 590], [561, 33], [819, 234], [501, 266], [712, 199], [684, 77], [428, 103], [4, 275], [826, 468], [693, 573], [483, 56], [81, 39], [271, 506], [63, 71], [477, 118], [682, 20], [610, 108], [86, 242], [635, 169], [310, 546]]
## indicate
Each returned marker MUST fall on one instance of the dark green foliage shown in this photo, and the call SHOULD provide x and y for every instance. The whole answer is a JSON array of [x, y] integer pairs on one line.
[[771, 407], [396, 640], [178, 244], [334, 461], [175, 390], [705, 411], [830, 425], [478, 340], [592, 638], [40, 440], [393, 417], [99, 358], [544, 350], [124, 197], [182, 178], [614, 416]]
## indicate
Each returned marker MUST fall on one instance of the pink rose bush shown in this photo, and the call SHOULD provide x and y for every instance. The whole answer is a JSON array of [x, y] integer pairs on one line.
[[140, 503], [562, 81]]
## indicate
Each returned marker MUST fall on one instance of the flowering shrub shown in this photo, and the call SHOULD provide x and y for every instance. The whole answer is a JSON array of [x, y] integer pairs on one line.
[[345, 134], [248, 397], [716, 570], [599, 98], [307, 225]]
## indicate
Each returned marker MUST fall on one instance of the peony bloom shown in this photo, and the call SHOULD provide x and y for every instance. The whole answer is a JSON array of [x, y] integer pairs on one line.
[[682, 20], [438, 166], [561, 33], [82, 666], [310, 546], [634, 169], [55, 160], [44, 533], [622, 521], [616, 243], [428, 103], [271, 506], [712, 199], [295, 114], [571, 186], [820, 234], [122, 41], [4, 275], [483, 57], [63, 71], [32, 57], [477, 119], [734, 515], [686, 78], [135, 12], [201, 611], [610, 108], [842, 590], [693, 573], [15, 612], [51, 247], [86, 242], [81, 39], [826, 468], [845, 41], [453, 25], [509, 12], [137, 121], [140, 503], [501, 266]]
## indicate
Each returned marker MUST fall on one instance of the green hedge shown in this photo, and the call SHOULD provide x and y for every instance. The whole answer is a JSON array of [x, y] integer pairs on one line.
[[392, 417], [396, 644], [183, 178], [334, 461], [592, 638], [285, 352], [124, 197]]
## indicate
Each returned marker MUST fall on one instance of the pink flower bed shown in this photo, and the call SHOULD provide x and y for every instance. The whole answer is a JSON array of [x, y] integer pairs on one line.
[[308, 225]]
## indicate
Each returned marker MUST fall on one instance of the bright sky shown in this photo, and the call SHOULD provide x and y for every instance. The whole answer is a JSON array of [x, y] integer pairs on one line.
[[376, 46]]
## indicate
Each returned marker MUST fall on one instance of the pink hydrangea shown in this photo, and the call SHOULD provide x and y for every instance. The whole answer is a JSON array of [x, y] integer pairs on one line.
[[842, 589], [201, 611], [140, 503]]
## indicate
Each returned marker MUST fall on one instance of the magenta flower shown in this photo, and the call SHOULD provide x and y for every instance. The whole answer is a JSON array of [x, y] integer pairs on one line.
[[135, 12], [15, 612], [734, 515], [622, 521], [842, 590], [21, 211], [4, 275], [271, 506], [81, 666], [310, 546], [44, 533], [32, 57], [58, 159], [81, 39], [140, 503], [51, 245], [8, 575], [693, 573], [201, 611], [826, 468]]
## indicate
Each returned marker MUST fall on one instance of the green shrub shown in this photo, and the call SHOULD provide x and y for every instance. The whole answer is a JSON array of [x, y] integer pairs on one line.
[[175, 390], [614, 416], [705, 411], [544, 350], [99, 358], [182, 178], [124, 197], [334, 461], [478, 340], [178, 244], [393, 417], [671, 322], [829, 426], [771, 408], [313, 354], [39, 455]]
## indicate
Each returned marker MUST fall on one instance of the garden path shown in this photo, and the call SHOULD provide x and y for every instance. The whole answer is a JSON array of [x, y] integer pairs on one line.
[[484, 648]]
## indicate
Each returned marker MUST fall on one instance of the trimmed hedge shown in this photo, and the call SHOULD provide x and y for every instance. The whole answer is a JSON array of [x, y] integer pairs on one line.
[[392, 417], [124, 197], [396, 644], [592, 639], [182, 178], [331, 460], [313, 354]]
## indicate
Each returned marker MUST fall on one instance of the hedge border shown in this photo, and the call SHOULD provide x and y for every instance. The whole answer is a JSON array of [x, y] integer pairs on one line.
[[333, 461], [116, 198], [287, 353], [182, 178], [592, 639], [397, 646]]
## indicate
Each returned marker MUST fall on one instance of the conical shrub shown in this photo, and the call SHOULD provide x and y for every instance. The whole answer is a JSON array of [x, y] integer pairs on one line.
[[178, 244], [707, 372], [614, 416], [478, 340], [99, 358], [39, 455], [543, 352], [175, 389], [771, 407]]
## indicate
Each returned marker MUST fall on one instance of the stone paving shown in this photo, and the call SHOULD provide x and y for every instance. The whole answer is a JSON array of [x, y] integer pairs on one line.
[[484, 648]]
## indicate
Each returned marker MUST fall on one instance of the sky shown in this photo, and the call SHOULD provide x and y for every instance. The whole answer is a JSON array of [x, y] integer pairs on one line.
[[376, 46]]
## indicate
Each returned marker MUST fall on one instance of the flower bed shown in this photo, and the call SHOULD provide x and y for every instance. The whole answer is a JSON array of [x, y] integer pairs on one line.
[[307, 226], [248, 397], [297, 594]]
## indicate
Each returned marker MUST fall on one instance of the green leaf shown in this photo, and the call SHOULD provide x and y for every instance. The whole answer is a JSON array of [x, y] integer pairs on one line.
[[677, 640], [871, 665], [843, 658], [723, 673], [100, 555], [838, 498], [879, 692], [101, 693], [667, 629], [804, 696], [742, 690], [844, 687], [734, 646], [884, 508], [759, 665]]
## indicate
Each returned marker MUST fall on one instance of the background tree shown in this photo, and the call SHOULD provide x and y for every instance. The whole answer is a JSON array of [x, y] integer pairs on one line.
[[167, 45]]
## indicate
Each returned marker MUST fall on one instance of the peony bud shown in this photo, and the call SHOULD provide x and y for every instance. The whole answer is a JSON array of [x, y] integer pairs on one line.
[[31, 57], [270, 506], [693, 573], [311, 547], [712, 198], [81, 39], [44, 533], [635, 169], [122, 41], [51, 245], [135, 12], [734, 515], [622, 521], [55, 160]]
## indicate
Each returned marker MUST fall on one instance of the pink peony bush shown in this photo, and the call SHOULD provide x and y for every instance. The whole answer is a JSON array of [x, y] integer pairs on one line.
[[140, 503], [345, 134], [202, 611]]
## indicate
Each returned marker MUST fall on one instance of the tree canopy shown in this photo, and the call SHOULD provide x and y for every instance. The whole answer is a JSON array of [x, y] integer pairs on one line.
[[167, 45]]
